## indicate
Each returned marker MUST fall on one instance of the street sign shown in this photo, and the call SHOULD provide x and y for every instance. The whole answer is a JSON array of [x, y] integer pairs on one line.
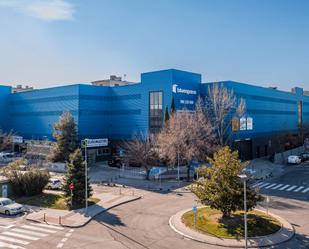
[[100, 142], [194, 209], [71, 186], [17, 139]]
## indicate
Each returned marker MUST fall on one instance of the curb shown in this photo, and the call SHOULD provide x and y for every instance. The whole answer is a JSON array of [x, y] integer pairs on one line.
[[229, 245], [86, 222]]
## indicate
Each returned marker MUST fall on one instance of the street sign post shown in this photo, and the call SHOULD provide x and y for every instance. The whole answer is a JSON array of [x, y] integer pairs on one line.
[[16, 140], [91, 143], [71, 186], [194, 209]]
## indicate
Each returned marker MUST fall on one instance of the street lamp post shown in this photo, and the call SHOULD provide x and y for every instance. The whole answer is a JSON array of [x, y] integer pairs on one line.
[[244, 179], [86, 179], [178, 170], [85, 144]]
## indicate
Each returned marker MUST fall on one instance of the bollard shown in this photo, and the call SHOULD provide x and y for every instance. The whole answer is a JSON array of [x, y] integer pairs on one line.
[[59, 220], [44, 218], [119, 191], [133, 192]]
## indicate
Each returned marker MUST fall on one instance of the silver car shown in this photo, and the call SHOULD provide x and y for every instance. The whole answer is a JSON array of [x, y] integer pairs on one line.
[[9, 207]]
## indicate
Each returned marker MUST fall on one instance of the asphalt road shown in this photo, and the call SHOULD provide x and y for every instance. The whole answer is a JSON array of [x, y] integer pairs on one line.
[[144, 223], [293, 184]]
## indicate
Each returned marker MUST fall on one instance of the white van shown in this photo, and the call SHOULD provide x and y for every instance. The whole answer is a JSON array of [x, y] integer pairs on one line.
[[54, 184]]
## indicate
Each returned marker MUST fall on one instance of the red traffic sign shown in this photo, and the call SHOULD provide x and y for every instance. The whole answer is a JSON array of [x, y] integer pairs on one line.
[[71, 186]]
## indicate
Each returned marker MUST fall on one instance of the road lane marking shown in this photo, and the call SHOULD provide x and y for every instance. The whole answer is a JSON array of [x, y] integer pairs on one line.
[[284, 187], [296, 190], [305, 191], [263, 185], [60, 245], [271, 185], [6, 245], [13, 240], [257, 184], [20, 235], [29, 232], [47, 226], [278, 186], [68, 234], [64, 240], [39, 229], [291, 188]]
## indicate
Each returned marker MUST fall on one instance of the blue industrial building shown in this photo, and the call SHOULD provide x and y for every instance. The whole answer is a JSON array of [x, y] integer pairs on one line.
[[118, 112]]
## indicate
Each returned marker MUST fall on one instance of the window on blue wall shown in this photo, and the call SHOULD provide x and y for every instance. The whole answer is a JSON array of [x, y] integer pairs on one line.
[[155, 111], [300, 113]]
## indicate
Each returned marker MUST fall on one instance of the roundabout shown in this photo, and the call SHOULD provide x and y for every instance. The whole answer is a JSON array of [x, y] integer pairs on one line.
[[274, 229]]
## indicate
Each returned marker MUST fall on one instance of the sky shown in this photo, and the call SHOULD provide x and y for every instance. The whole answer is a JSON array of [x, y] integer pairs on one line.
[[46, 43]]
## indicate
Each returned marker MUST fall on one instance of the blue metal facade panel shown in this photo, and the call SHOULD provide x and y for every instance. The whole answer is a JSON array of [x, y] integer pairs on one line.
[[5, 92], [273, 111], [122, 111], [33, 113], [93, 111]]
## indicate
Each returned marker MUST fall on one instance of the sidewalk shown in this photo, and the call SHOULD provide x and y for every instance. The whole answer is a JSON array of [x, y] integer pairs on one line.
[[284, 234], [77, 218]]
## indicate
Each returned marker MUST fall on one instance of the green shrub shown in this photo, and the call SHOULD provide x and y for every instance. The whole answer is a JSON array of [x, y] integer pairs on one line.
[[27, 183]]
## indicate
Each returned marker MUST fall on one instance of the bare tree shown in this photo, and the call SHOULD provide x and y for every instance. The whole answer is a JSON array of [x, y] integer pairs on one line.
[[222, 107], [187, 136], [142, 150], [5, 140]]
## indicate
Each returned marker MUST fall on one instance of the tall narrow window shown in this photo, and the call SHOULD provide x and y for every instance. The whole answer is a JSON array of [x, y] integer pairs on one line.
[[155, 111], [300, 113]]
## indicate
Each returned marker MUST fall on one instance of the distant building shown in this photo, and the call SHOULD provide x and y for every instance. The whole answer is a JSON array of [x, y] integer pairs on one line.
[[112, 81], [20, 88]]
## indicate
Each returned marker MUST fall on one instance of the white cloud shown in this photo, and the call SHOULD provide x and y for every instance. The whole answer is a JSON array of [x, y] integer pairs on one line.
[[47, 10]]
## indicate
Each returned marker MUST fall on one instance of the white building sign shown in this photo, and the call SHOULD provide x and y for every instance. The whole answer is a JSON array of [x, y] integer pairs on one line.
[[243, 124], [249, 123], [176, 89], [17, 139], [100, 142]]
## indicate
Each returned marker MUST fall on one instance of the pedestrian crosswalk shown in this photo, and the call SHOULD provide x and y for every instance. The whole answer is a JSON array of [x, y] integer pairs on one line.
[[20, 236], [281, 187]]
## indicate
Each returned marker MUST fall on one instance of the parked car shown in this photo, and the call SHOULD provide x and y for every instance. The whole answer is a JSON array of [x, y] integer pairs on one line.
[[9, 207], [304, 156], [6, 157], [294, 160], [115, 162], [54, 184]]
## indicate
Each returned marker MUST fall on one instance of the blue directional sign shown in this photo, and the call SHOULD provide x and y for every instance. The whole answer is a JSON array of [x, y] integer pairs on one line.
[[194, 209]]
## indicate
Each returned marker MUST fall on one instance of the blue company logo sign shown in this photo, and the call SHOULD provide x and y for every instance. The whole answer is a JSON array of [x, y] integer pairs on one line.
[[176, 89]]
